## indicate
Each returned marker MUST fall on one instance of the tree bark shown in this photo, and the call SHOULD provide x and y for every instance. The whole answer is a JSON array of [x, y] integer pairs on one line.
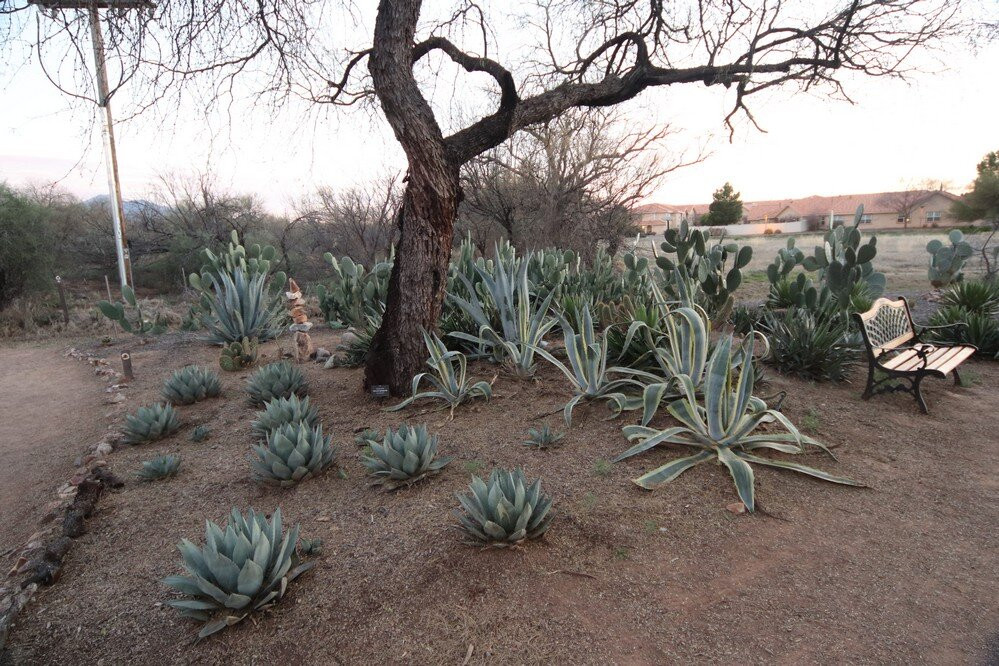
[[429, 205]]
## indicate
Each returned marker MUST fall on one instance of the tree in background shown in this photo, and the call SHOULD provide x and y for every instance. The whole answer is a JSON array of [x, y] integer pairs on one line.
[[560, 56], [569, 182], [725, 208], [982, 203], [25, 258]]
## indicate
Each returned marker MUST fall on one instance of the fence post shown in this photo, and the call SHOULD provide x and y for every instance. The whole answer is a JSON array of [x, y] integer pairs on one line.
[[62, 300], [126, 366]]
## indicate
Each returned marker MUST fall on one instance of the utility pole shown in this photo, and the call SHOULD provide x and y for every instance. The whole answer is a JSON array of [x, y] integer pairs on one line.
[[107, 125]]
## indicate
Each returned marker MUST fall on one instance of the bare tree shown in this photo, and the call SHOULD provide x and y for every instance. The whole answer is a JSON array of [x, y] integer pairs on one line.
[[905, 202], [585, 55], [566, 182], [356, 221]]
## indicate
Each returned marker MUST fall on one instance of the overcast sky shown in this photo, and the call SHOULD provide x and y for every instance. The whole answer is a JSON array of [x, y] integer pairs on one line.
[[936, 126]]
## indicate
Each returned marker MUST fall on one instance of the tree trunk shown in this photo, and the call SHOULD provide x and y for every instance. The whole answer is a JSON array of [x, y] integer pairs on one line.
[[418, 281], [429, 204]]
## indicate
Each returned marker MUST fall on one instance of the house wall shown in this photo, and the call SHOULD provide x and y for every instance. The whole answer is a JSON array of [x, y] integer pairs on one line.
[[757, 228]]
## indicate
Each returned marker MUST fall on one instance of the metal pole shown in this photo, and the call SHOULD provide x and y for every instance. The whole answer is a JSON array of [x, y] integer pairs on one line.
[[110, 155], [62, 300]]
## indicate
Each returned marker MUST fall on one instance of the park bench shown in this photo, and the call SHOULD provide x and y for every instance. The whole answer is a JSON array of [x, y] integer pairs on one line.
[[895, 351]]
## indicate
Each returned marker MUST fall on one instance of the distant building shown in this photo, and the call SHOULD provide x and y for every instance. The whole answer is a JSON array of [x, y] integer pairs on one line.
[[882, 210]]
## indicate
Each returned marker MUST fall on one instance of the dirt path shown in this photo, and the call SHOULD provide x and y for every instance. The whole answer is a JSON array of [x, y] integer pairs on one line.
[[50, 408]]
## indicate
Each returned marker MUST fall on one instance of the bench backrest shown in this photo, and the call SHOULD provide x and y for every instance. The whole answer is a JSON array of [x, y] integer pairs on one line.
[[886, 325]]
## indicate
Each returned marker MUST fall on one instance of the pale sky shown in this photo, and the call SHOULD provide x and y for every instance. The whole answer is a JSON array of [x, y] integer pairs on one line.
[[936, 126]]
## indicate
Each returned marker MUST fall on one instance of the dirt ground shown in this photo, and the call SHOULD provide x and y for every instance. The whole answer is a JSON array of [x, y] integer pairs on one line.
[[51, 408], [902, 572]]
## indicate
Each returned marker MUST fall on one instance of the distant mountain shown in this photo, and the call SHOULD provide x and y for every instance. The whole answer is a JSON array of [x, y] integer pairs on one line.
[[131, 206]]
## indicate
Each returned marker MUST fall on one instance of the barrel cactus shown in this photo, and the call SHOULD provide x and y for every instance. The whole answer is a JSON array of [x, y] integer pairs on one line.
[[275, 380], [242, 568], [291, 453], [404, 457], [505, 511], [151, 423], [946, 261], [191, 384], [238, 355], [160, 467], [278, 411]]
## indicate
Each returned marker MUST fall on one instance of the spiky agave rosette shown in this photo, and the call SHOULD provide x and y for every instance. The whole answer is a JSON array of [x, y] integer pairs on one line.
[[404, 457], [191, 384], [243, 568], [291, 453], [504, 511], [151, 423], [279, 411]]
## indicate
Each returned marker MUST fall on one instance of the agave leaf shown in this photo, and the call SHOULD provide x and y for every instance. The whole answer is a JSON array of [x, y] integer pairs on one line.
[[671, 470]]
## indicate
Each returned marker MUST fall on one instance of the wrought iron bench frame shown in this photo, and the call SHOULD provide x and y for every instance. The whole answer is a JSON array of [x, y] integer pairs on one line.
[[888, 329]]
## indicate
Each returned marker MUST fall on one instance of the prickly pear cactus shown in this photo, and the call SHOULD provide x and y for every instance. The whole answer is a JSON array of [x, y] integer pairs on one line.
[[785, 261], [238, 355], [708, 264], [946, 261], [354, 293], [254, 260], [842, 261], [139, 323]]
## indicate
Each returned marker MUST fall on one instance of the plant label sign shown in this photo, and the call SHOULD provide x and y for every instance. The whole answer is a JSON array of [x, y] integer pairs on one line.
[[380, 390]]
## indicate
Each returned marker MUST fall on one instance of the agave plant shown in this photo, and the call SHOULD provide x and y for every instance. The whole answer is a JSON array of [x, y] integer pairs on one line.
[[523, 322], [160, 467], [810, 345], [449, 378], [292, 452], [367, 437], [976, 296], [191, 384], [310, 547], [151, 423], [404, 457], [589, 374], [720, 427], [279, 411], [275, 380], [240, 306], [543, 437], [200, 433], [505, 511], [243, 568]]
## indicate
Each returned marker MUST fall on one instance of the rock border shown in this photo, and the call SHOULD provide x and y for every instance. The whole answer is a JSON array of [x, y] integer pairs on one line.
[[39, 561]]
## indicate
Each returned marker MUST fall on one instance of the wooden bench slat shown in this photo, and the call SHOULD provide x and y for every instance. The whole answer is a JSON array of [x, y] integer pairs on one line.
[[962, 355]]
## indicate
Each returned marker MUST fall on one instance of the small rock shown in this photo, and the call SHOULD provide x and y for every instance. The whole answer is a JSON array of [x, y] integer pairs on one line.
[[115, 398], [736, 507], [104, 448], [322, 355]]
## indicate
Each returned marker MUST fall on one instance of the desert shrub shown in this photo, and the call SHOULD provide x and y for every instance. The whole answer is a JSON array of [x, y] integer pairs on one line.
[[292, 453], [25, 248], [191, 384], [975, 296], [404, 456], [275, 380], [960, 326], [242, 568], [809, 345], [151, 423], [720, 426], [505, 511]]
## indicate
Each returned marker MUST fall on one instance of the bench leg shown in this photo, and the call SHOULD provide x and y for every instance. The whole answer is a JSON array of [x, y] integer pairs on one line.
[[957, 377], [919, 395], [869, 391]]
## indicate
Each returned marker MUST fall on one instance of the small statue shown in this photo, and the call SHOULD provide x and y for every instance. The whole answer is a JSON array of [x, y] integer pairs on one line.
[[300, 322]]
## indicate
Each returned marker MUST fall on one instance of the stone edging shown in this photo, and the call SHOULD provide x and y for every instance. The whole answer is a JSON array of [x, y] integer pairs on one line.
[[39, 560]]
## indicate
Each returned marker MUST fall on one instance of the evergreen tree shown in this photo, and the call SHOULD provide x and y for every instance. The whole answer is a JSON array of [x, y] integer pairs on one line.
[[726, 207]]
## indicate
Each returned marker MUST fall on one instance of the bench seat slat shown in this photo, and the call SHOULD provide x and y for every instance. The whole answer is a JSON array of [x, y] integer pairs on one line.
[[956, 359], [943, 359]]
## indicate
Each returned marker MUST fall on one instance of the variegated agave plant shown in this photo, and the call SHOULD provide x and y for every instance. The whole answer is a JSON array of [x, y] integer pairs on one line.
[[588, 372], [504, 511], [451, 383], [243, 568], [721, 428]]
